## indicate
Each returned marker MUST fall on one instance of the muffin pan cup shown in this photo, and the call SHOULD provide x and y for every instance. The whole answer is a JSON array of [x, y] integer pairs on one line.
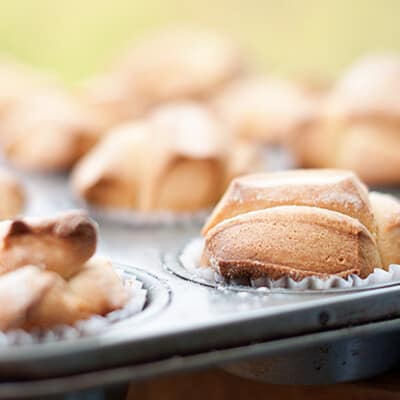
[[91, 326], [190, 325]]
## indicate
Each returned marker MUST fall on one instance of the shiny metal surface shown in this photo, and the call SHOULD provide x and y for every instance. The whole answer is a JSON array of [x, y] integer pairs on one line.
[[203, 323], [288, 352]]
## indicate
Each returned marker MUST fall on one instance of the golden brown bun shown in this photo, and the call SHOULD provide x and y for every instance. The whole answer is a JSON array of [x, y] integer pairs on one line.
[[46, 131], [371, 87], [111, 99], [359, 126], [12, 196], [387, 213], [21, 290], [266, 109], [178, 64], [34, 298], [99, 286], [176, 160], [60, 244], [334, 190], [302, 223], [94, 289], [48, 276], [294, 241], [195, 64], [57, 306], [17, 81]]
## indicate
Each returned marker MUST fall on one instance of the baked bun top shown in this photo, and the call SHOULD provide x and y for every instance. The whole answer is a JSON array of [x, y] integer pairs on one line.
[[181, 63], [48, 276], [370, 88], [335, 190], [265, 109], [302, 223]]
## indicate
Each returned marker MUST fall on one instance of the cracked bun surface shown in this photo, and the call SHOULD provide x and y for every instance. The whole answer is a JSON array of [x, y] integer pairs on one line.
[[301, 223], [178, 159], [49, 276]]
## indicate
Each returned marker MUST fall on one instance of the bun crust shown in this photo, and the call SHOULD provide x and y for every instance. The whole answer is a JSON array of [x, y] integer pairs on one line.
[[387, 213], [265, 110], [359, 124], [61, 244], [294, 241], [334, 190], [302, 223], [49, 277], [194, 67], [46, 131], [175, 160]]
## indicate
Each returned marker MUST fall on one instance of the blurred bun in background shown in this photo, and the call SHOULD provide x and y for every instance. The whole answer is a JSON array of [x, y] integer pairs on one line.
[[359, 126], [266, 109], [180, 158], [176, 64]]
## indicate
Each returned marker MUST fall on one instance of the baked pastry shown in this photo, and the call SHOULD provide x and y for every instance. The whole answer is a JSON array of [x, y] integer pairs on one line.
[[178, 64], [16, 81], [46, 131], [177, 160], [12, 196], [61, 244], [359, 126], [49, 277], [301, 223], [266, 110]]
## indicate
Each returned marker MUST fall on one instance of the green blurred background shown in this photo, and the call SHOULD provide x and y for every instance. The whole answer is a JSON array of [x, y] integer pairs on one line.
[[75, 38]]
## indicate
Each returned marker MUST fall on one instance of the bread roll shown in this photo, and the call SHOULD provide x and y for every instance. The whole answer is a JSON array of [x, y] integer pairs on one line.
[[60, 244], [94, 289], [359, 125], [99, 286], [177, 159], [293, 241], [48, 276], [387, 213], [57, 306], [18, 81], [174, 65], [21, 290], [334, 190], [302, 223], [35, 298], [46, 131], [266, 109]]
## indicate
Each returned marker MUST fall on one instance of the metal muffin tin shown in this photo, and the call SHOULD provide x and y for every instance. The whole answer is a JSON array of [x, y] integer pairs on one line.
[[321, 337]]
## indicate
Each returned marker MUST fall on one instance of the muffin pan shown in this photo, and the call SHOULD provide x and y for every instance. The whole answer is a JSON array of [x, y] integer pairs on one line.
[[206, 325]]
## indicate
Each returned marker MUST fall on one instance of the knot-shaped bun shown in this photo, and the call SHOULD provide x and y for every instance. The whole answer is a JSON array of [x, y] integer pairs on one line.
[[266, 110], [178, 159], [173, 65], [302, 223], [48, 276], [359, 124]]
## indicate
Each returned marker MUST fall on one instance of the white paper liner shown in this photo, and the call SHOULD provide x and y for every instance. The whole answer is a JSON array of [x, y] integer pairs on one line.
[[91, 326], [190, 260], [143, 219]]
